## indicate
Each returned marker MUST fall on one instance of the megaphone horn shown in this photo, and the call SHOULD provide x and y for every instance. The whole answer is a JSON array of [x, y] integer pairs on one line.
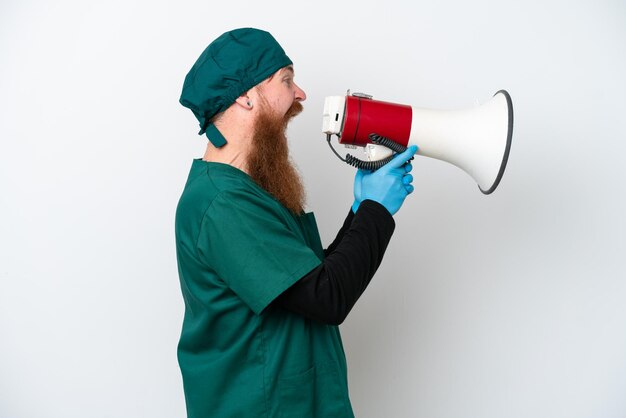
[[477, 140]]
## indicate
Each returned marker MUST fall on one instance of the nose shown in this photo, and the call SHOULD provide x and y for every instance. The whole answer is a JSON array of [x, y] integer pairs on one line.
[[300, 94]]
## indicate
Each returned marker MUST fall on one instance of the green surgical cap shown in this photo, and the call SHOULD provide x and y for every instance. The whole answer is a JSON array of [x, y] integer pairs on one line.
[[231, 65]]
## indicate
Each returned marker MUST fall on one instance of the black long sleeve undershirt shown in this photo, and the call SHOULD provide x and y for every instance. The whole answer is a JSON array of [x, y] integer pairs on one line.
[[329, 292]]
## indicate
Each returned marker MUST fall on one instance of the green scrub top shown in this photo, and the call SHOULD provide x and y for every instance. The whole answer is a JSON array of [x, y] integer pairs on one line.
[[238, 249]]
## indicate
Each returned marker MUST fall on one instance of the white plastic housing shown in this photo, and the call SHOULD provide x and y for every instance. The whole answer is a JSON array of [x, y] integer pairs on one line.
[[332, 119], [377, 152]]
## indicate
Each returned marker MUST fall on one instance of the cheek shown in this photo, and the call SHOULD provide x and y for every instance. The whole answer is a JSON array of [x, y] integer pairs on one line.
[[287, 106], [282, 105], [281, 100]]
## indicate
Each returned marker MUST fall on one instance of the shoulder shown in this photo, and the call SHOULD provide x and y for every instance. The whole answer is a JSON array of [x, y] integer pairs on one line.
[[220, 190]]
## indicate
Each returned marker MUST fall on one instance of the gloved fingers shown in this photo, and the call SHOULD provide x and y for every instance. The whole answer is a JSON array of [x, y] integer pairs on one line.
[[396, 172], [407, 180], [408, 167], [400, 159]]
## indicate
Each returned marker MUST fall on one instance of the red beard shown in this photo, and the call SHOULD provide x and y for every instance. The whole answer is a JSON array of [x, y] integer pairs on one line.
[[269, 163]]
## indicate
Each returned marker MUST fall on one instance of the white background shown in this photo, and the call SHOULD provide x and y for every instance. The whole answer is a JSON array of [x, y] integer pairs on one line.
[[508, 305]]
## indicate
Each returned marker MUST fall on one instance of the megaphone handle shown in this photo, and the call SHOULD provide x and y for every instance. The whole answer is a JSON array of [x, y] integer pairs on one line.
[[371, 165], [387, 142]]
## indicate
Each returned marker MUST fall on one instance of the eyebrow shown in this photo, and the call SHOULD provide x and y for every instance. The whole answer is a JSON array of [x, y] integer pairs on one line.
[[288, 68]]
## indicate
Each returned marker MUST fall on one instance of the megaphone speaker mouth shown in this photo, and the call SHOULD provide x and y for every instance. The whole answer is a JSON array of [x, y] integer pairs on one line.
[[509, 139]]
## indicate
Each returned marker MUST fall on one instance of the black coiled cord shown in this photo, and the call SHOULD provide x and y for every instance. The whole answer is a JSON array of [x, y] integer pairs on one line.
[[371, 165]]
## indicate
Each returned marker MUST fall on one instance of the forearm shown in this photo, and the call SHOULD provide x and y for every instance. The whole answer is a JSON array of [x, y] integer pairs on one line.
[[329, 292], [344, 228]]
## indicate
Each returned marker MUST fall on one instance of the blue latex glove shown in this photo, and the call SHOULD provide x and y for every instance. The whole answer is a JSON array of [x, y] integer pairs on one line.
[[389, 185]]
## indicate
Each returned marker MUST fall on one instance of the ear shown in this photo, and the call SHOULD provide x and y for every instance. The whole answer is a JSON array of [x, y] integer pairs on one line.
[[244, 100]]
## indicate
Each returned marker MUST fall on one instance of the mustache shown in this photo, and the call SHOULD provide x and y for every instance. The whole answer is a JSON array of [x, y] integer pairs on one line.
[[295, 109]]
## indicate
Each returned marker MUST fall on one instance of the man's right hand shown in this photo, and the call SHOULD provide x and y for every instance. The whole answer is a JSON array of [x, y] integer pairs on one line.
[[389, 185]]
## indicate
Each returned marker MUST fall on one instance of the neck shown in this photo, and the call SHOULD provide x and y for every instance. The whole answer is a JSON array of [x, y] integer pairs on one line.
[[227, 155], [236, 150]]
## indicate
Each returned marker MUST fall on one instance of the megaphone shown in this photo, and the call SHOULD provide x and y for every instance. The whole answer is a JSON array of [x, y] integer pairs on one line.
[[477, 139]]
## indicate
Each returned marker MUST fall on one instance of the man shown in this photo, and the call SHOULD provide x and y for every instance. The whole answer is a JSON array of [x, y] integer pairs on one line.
[[262, 297]]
